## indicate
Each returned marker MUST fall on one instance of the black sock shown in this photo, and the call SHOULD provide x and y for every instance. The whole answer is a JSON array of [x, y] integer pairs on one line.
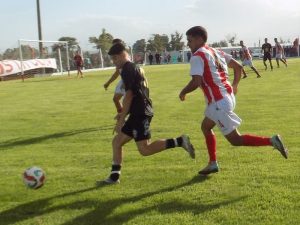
[[170, 143], [174, 142], [179, 141], [115, 172]]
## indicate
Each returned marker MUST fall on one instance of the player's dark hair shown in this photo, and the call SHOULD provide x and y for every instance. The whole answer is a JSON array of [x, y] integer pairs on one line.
[[117, 40], [197, 31], [116, 49]]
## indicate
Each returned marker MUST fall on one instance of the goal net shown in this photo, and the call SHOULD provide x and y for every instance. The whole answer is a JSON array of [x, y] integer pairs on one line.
[[43, 57]]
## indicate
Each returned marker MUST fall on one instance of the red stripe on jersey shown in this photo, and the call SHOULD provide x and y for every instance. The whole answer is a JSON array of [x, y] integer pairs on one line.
[[222, 73], [206, 92], [278, 48], [208, 78], [225, 82], [246, 53]]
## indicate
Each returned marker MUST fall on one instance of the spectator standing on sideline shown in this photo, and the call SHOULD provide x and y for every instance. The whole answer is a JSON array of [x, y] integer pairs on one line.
[[157, 58], [150, 58]]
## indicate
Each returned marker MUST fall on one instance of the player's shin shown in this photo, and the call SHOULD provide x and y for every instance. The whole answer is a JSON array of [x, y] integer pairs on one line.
[[211, 146], [252, 140]]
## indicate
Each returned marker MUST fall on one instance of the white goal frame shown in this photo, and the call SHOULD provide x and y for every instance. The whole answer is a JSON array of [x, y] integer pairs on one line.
[[20, 41]]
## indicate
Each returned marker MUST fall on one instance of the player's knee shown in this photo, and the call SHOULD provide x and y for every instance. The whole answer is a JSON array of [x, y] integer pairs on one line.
[[204, 129], [235, 141], [115, 98], [143, 150]]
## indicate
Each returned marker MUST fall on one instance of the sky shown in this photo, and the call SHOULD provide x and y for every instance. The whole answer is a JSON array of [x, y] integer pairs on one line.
[[132, 20]]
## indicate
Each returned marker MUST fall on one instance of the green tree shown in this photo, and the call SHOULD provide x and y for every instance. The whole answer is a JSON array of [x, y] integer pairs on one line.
[[222, 43], [27, 53], [104, 41], [139, 46], [72, 44], [72, 47], [176, 42], [11, 53], [158, 43]]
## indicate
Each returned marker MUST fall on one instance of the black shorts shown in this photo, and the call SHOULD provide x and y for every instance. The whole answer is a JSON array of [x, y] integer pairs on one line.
[[138, 127], [267, 56]]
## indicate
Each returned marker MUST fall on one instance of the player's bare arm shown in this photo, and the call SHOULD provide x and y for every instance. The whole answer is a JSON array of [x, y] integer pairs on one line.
[[237, 72], [191, 86], [112, 79], [126, 106]]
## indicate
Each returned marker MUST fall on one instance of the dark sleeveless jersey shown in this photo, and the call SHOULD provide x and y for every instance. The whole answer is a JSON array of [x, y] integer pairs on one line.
[[134, 80]]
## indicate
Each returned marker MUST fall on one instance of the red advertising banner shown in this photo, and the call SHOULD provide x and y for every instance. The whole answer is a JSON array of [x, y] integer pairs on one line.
[[9, 67]]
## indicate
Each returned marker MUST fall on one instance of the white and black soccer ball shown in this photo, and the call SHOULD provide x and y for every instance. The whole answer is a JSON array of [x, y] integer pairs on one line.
[[34, 177]]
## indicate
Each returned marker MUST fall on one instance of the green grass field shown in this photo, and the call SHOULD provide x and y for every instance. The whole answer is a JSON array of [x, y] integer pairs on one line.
[[64, 125]]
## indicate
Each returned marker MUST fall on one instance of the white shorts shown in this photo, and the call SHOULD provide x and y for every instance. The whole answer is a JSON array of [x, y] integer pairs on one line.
[[221, 112], [279, 56], [120, 88], [247, 62]]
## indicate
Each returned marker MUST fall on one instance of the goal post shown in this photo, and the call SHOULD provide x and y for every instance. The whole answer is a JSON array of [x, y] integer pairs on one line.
[[56, 52]]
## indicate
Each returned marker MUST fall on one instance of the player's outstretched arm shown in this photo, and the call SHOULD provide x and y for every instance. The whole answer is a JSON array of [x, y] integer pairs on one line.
[[112, 79], [237, 71], [191, 86], [126, 106]]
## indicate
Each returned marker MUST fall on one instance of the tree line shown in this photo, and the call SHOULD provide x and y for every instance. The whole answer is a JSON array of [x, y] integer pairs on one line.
[[157, 42]]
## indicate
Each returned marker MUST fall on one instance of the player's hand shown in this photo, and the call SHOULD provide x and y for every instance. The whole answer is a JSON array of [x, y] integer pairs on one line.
[[182, 96], [235, 89], [119, 126], [117, 117], [106, 86]]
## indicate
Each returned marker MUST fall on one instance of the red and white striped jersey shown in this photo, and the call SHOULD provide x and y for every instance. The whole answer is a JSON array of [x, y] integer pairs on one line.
[[211, 65], [246, 53], [278, 48]]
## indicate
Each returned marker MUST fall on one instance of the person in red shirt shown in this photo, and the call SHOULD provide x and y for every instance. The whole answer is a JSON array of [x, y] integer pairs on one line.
[[78, 63]]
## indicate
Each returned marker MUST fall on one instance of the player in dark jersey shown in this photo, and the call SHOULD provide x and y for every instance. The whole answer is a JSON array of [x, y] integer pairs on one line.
[[79, 63], [267, 50], [137, 105]]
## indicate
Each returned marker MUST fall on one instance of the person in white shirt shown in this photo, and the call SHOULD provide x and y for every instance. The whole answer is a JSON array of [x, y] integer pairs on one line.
[[247, 60], [209, 71], [279, 53]]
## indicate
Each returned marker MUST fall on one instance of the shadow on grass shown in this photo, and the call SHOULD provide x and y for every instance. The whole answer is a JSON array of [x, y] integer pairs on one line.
[[35, 140], [102, 211]]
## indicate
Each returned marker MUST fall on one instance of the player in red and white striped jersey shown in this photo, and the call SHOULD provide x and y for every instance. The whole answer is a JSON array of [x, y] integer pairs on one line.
[[209, 71], [279, 53], [247, 60]]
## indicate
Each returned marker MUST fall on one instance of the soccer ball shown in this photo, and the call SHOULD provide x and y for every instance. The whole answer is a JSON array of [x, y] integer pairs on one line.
[[34, 177]]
